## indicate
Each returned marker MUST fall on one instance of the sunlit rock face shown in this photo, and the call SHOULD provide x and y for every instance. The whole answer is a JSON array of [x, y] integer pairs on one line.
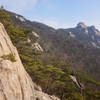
[[15, 83]]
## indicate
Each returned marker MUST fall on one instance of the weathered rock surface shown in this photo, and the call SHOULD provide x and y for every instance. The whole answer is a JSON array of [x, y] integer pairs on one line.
[[15, 83]]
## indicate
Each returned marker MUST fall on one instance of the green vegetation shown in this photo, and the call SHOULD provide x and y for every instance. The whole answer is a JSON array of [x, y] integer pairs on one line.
[[55, 80], [10, 57], [85, 78], [16, 34], [35, 52]]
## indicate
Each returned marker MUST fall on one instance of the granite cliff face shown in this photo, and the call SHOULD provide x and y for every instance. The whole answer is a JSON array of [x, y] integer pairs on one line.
[[15, 83]]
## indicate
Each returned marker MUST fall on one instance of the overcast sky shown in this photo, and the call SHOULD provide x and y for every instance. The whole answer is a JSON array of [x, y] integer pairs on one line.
[[57, 13]]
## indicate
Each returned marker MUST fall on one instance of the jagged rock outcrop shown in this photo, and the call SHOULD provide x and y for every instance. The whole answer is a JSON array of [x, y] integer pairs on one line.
[[15, 83]]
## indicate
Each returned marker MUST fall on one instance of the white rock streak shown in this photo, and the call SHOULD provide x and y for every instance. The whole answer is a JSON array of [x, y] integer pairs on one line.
[[75, 80]]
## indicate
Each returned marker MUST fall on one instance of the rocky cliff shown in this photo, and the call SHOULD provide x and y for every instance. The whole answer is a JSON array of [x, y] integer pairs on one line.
[[15, 83]]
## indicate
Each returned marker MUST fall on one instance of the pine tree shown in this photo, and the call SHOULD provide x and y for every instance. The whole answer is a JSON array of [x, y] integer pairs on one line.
[[2, 7]]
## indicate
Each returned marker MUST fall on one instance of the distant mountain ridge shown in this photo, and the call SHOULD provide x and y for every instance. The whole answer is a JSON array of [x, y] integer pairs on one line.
[[81, 31], [64, 40]]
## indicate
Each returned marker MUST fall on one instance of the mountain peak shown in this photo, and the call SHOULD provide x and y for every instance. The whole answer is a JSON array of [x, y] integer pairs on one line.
[[81, 25]]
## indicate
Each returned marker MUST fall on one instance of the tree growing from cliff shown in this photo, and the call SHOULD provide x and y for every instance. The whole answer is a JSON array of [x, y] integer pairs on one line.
[[1, 7]]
